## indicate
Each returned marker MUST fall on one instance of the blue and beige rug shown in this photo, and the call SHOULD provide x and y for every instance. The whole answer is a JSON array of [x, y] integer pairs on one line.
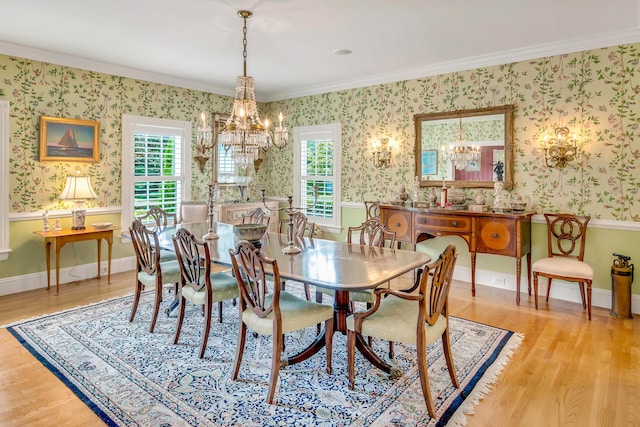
[[130, 377]]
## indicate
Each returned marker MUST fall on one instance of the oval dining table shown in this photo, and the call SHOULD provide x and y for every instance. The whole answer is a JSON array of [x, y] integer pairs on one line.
[[339, 266]]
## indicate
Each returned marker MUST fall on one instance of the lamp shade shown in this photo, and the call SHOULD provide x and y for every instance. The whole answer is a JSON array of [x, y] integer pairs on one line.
[[78, 187]]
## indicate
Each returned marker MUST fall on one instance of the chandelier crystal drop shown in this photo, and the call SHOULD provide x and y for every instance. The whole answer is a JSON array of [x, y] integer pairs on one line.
[[244, 133], [460, 154]]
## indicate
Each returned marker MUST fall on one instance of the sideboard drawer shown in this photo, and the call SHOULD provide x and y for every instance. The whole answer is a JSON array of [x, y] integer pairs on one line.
[[398, 221], [496, 236], [447, 224]]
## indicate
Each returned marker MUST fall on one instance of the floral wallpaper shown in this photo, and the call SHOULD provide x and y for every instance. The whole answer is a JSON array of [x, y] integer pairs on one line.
[[594, 93], [35, 89]]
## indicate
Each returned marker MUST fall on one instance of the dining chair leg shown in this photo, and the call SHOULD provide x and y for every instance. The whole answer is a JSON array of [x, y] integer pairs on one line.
[[548, 288], [180, 319], [219, 311], [392, 352], [423, 371], [136, 299], [581, 286], [319, 301], [156, 307], [328, 342], [207, 326], [275, 365], [589, 298], [242, 334], [448, 356], [351, 355], [535, 289]]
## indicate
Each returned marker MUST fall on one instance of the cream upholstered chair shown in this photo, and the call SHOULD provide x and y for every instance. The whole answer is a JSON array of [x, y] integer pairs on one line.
[[198, 284], [152, 272], [566, 237], [193, 211], [266, 309], [412, 318]]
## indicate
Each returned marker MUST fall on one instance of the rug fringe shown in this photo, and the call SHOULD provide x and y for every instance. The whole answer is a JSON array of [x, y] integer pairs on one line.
[[485, 385]]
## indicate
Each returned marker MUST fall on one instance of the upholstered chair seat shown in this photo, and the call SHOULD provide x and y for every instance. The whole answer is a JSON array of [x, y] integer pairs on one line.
[[297, 313], [223, 286], [396, 320], [170, 274], [564, 267]]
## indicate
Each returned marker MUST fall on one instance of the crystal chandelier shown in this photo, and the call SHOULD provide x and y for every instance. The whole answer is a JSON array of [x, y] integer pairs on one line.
[[461, 154], [244, 133]]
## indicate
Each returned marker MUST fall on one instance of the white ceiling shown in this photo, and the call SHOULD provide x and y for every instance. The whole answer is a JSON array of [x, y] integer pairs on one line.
[[198, 43]]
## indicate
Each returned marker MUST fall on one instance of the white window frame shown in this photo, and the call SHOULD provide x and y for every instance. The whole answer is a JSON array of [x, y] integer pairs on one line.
[[332, 131], [137, 124]]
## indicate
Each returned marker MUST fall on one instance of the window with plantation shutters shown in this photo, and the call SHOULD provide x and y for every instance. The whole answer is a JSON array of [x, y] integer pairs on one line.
[[317, 166], [156, 169]]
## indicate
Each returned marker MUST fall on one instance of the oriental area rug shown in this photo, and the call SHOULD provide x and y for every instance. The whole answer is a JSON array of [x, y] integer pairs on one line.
[[130, 377]]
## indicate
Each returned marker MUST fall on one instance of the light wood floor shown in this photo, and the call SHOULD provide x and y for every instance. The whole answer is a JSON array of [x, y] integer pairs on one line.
[[568, 371]]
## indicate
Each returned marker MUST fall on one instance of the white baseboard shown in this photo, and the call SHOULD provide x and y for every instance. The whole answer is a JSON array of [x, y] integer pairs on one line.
[[28, 282], [560, 290]]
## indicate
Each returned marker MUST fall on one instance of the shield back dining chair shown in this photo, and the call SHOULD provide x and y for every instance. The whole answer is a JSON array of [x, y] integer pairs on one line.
[[267, 310], [417, 318], [198, 285], [157, 219], [566, 239], [256, 216], [152, 272]]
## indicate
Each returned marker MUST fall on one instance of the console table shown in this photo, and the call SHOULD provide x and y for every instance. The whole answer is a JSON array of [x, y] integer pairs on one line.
[[60, 238], [506, 234]]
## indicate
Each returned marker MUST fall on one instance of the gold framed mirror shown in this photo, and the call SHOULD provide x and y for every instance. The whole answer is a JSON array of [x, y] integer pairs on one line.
[[466, 148]]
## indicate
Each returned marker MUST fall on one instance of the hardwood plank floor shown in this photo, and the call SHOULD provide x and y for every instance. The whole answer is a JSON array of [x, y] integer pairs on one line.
[[567, 372]]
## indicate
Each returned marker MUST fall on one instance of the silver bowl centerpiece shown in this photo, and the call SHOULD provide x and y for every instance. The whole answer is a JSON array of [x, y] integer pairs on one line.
[[251, 232]]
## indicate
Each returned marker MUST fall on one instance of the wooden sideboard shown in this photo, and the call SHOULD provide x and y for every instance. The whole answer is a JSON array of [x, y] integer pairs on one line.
[[231, 213], [506, 234]]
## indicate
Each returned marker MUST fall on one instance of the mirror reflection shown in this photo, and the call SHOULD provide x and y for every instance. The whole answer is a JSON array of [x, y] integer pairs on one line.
[[469, 148]]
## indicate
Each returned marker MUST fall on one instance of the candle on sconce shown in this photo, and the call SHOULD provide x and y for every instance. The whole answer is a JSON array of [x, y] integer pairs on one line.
[[204, 120], [280, 119]]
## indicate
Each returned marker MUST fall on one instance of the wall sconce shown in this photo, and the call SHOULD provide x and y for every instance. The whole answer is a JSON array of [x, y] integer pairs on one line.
[[382, 151], [203, 142], [78, 188], [559, 150]]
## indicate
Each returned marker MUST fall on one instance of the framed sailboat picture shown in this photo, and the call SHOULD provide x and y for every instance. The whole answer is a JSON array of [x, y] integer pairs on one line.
[[69, 140]]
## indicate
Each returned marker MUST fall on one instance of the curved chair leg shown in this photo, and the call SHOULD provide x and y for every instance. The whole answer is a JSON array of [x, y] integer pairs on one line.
[[136, 299], [351, 355], [156, 307], [535, 289], [392, 352], [423, 371], [219, 311], [242, 334], [548, 288], [180, 319], [448, 356], [275, 366]]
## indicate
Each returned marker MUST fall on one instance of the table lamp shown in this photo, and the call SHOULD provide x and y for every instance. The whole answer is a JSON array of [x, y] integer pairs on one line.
[[78, 188]]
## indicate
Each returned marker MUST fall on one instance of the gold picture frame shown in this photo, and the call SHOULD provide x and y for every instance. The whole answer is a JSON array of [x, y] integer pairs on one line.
[[69, 140]]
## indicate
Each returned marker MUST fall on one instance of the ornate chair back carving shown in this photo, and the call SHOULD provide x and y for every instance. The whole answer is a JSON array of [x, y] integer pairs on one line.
[[256, 216], [372, 209], [566, 235], [194, 270], [146, 246], [372, 232], [158, 217]]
